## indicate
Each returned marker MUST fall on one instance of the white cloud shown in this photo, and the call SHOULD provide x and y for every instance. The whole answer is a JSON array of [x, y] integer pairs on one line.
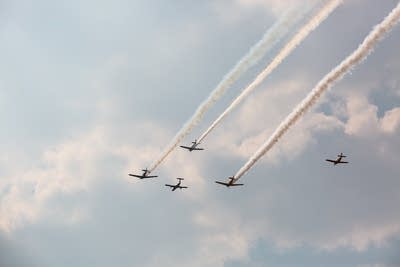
[[361, 238], [64, 170], [275, 7], [357, 230], [259, 116], [362, 116], [234, 11], [391, 121], [363, 120], [294, 143]]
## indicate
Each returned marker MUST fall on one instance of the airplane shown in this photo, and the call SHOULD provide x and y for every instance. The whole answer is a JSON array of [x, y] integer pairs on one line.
[[145, 175], [338, 160], [230, 183], [178, 185], [193, 146]]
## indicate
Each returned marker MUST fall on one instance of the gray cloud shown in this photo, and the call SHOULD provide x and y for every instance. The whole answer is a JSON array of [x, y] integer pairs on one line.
[[264, 254]]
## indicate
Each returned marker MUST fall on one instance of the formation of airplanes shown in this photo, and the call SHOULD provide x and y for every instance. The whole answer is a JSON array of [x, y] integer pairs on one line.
[[231, 180]]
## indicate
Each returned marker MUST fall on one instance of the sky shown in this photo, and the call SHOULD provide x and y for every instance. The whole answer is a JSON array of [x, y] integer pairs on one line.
[[93, 90]]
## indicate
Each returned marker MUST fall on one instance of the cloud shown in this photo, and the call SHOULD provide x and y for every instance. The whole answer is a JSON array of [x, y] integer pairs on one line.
[[63, 171], [362, 115], [391, 121], [259, 116], [275, 7], [330, 209], [232, 12], [266, 254], [363, 119]]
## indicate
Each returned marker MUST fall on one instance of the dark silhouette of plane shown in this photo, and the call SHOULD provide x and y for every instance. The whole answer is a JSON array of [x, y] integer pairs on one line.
[[193, 146], [338, 160], [176, 186], [230, 183], [145, 175]]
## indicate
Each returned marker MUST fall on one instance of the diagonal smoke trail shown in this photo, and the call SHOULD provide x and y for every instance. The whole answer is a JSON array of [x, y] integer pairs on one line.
[[270, 38], [336, 74], [284, 53]]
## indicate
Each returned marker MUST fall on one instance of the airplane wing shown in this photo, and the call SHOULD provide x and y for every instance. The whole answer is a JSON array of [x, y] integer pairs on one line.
[[141, 176], [330, 160], [218, 182], [170, 185], [236, 184], [197, 148], [343, 162], [184, 187], [185, 147], [137, 176]]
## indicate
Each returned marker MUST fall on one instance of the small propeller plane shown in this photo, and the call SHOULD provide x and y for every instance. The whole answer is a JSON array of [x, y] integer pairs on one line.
[[145, 175], [193, 146], [338, 160], [178, 185], [230, 183]]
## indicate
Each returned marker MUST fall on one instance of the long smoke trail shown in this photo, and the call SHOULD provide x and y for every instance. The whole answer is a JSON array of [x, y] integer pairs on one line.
[[270, 38], [336, 74], [311, 25]]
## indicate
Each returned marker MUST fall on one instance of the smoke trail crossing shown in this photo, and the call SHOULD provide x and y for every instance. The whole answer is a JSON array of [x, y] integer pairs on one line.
[[336, 74], [283, 53], [270, 38]]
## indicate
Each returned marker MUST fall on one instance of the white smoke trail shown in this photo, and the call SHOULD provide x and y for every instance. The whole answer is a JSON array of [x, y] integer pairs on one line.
[[311, 25], [336, 74], [270, 38]]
